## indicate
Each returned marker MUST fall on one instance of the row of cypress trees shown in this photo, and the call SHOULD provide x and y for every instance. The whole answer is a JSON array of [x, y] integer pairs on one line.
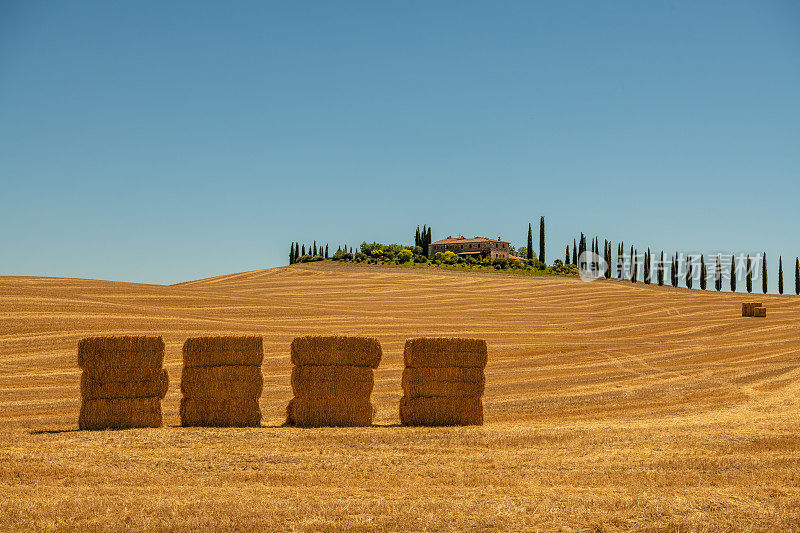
[[296, 251], [579, 246], [541, 256], [423, 239]]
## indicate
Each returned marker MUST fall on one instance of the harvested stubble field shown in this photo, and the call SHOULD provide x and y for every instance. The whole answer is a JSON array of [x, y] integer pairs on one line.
[[608, 406]]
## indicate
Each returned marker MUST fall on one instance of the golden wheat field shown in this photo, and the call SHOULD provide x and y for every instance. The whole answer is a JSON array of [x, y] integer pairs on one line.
[[608, 406]]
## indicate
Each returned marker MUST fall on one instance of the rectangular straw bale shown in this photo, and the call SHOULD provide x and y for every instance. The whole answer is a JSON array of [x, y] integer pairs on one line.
[[760, 311], [124, 383], [443, 382], [445, 352], [349, 381], [441, 411], [222, 382], [747, 309], [237, 412], [120, 413], [223, 350], [336, 351], [327, 412], [121, 352]]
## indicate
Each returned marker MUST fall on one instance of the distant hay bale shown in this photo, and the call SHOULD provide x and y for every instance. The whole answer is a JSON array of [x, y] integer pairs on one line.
[[236, 412], [333, 381], [223, 350], [121, 352], [445, 352], [336, 351], [120, 413], [438, 411], [760, 312], [443, 382], [124, 383], [327, 412], [222, 382], [747, 309]]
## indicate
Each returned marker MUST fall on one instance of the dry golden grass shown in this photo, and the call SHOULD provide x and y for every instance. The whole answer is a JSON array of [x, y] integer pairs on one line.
[[608, 406]]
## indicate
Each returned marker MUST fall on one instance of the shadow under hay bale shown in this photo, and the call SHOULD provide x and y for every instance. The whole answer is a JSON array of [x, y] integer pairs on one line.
[[122, 382], [222, 381], [332, 381], [443, 382]]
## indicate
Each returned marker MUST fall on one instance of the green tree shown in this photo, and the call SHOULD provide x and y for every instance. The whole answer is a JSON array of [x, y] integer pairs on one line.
[[566, 256], [530, 242], [674, 273], [780, 275], [748, 280], [703, 273], [314, 253], [417, 237], [661, 270], [764, 274], [291, 254], [304, 251], [797, 275], [634, 266], [733, 274], [574, 253], [718, 274], [326, 251], [647, 267], [689, 272], [541, 241]]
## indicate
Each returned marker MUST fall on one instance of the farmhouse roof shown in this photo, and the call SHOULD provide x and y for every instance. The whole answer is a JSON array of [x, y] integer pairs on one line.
[[463, 240]]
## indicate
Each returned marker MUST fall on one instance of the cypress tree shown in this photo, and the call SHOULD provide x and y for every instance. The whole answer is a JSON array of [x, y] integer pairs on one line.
[[304, 251], [661, 270], [427, 240], [703, 273], [634, 267], [566, 256], [417, 238], [529, 255], [619, 261], [574, 253], [541, 240], [734, 273], [674, 272], [764, 274], [314, 249], [291, 254], [689, 272], [780, 275], [647, 267], [608, 260], [581, 251], [326, 251], [797, 275], [718, 274], [749, 276]]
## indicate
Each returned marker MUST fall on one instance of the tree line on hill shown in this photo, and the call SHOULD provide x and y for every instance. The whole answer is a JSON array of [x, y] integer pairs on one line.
[[629, 266]]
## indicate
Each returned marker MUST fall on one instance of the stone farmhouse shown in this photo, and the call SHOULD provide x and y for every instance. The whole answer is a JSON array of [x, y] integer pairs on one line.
[[477, 247]]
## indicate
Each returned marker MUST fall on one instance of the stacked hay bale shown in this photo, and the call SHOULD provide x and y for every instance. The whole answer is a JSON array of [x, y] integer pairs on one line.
[[753, 309], [222, 382], [443, 382], [332, 381], [122, 382]]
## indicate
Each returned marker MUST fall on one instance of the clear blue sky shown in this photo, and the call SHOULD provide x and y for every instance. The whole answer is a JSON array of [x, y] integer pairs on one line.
[[168, 141]]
